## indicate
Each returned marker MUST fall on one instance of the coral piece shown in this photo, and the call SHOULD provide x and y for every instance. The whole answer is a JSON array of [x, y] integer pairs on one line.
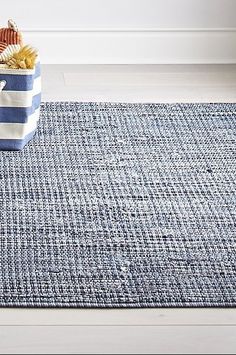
[[25, 58], [10, 41]]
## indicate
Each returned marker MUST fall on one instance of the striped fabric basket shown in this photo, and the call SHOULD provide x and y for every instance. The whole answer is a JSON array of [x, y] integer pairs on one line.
[[20, 98]]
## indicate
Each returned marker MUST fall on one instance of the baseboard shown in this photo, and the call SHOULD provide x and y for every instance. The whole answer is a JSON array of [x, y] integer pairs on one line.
[[135, 46]]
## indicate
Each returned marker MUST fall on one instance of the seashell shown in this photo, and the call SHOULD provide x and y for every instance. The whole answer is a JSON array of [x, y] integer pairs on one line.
[[25, 58], [9, 51]]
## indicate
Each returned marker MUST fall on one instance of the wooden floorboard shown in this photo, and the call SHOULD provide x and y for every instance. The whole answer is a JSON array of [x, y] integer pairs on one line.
[[118, 340], [140, 83]]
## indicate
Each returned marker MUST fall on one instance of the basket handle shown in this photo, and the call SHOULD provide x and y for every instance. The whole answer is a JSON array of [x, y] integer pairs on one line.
[[2, 84]]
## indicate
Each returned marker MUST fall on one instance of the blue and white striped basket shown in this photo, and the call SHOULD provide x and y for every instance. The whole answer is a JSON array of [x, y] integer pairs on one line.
[[20, 98]]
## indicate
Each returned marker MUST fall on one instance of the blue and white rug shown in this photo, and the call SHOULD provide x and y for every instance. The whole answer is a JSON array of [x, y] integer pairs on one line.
[[121, 205]]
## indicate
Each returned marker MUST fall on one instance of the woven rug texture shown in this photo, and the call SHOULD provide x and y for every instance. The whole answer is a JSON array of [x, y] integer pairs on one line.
[[121, 205]]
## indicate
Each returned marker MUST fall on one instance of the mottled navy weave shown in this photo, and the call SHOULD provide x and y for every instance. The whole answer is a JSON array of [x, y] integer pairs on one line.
[[121, 205]]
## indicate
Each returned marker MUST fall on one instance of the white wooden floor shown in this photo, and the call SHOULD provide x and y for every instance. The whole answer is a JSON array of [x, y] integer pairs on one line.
[[147, 331], [140, 83]]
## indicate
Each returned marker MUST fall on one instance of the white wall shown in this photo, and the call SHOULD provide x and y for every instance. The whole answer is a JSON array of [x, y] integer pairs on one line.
[[128, 31], [121, 13]]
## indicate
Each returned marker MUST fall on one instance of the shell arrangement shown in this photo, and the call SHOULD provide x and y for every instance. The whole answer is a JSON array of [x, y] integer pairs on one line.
[[12, 52], [25, 58]]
